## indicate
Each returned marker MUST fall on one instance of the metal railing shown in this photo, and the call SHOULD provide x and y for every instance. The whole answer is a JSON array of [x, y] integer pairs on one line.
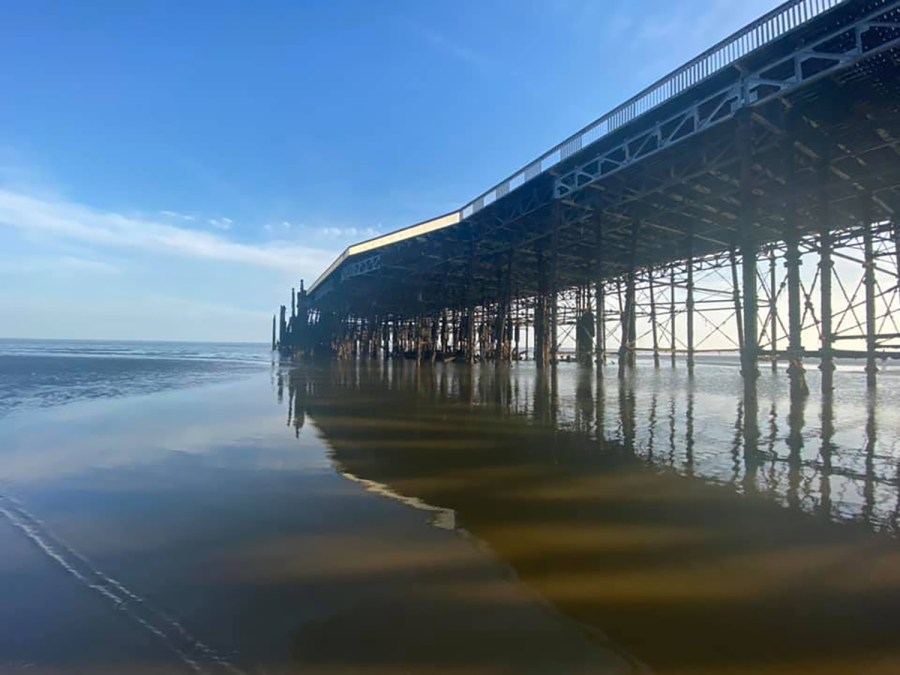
[[764, 30]]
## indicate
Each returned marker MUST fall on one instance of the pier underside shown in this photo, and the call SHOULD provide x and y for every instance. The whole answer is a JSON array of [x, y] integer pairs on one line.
[[683, 227]]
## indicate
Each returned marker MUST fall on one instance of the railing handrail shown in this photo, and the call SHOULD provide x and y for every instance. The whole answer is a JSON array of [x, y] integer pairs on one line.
[[771, 26]]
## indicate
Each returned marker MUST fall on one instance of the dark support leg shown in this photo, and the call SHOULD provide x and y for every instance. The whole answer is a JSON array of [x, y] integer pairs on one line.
[[825, 272], [672, 314], [796, 372], [541, 343], [736, 297], [653, 320], [554, 293], [749, 250], [690, 302], [627, 346], [869, 262], [600, 330], [773, 308]]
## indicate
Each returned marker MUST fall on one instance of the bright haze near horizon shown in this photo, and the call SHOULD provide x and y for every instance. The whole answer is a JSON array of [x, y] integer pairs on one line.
[[169, 172]]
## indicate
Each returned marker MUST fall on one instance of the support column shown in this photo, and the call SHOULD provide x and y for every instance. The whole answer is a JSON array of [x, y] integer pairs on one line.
[[690, 301], [736, 299], [600, 330], [749, 249], [554, 292], [539, 306], [627, 345], [653, 320], [826, 266], [773, 308], [869, 281], [273, 332], [672, 315], [470, 308], [792, 261], [517, 327]]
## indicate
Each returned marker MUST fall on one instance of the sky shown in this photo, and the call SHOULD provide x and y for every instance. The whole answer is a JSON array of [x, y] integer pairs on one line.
[[170, 170]]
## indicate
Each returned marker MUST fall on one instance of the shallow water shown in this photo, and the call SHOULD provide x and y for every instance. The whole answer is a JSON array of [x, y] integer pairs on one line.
[[44, 373], [374, 518]]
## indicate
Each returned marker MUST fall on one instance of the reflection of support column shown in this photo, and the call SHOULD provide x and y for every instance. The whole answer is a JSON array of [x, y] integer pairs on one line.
[[750, 348], [672, 315], [627, 413], [795, 447], [584, 401], [600, 330], [871, 436], [653, 329], [869, 281], [690, 301], [773, 308], [689, 429], [826, 452], [792, 262]]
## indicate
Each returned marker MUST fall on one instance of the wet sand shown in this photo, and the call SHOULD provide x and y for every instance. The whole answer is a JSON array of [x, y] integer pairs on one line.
[[193, 531], [362, 518]]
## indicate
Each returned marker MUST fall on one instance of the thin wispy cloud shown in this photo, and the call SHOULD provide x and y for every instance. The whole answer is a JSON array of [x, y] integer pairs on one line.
[[448, 46], [178, 216], [47, 265], [221, 223], [348, 232], [76, 222], [283, 226]]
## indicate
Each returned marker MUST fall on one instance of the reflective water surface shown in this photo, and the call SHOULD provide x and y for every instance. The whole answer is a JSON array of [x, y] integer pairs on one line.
[[374, 518]]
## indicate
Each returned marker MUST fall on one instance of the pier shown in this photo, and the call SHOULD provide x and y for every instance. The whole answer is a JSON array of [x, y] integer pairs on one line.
[[748, 202]]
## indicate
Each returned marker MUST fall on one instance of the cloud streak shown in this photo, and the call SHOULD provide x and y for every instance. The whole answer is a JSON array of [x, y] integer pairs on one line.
[[448, 46], [77, 222], [221, 223], [348, 232]]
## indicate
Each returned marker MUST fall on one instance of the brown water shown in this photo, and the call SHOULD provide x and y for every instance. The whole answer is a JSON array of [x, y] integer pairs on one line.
[[377, 518]]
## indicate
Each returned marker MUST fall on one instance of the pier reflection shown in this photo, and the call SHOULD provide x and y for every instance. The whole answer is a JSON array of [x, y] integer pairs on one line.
[[700, 532]]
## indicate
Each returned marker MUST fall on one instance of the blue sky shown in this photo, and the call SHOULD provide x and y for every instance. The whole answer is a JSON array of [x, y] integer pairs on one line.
[[169, 170]]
